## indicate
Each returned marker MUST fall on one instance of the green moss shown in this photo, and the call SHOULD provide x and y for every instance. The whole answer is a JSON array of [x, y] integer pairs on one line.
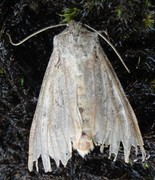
[[118, 12], [148, 20], [2, 71], [69, 14], [22, 82], [146, 165], [147, 4], [153, 85]]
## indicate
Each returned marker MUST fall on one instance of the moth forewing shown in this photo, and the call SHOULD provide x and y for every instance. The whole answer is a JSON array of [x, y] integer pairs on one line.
[[81, 103], [124, 127]]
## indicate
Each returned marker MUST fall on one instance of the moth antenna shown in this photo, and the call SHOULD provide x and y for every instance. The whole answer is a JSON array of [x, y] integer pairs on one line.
[[110, 44], [35, 33]]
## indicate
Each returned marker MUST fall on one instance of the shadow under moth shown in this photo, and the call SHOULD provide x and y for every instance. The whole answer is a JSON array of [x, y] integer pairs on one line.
[[81, 103]]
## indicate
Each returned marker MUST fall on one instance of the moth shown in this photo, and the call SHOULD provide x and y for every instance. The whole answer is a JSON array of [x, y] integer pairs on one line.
[[81, 103]]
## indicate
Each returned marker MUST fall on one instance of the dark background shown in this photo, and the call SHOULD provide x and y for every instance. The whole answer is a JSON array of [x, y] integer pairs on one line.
[[130, 27]]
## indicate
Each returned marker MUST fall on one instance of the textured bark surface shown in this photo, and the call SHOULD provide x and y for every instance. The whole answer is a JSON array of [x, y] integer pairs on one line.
[[81, 102]]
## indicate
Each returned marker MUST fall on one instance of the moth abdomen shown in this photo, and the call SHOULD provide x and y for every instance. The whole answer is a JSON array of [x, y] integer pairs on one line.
[[85, 143]]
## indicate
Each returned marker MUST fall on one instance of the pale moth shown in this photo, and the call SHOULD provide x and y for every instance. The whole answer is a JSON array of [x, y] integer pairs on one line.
[[81, 103]]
